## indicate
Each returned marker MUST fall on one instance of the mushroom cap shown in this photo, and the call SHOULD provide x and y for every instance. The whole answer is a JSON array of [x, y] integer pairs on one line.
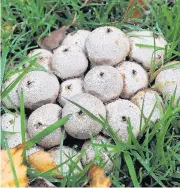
[[80, 125], [13, 94], [40, 182], [44, 58], [168, 80], [104, 82], [107, 45], [145, 55], [33, 150], [149, 100], [77, 38], [39, 88], [90, 152], [42, 118], [134, 76], [69, 89], [118, 113], [69, 61], [65, 155]]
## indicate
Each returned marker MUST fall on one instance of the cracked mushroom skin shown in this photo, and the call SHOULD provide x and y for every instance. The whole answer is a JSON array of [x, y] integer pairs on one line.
[[134, 76], [118, 113], [40, 119], [168, 80], [90, 152], [77, 38], [39, 88], [104, 82], [149, 101], [69, 61], [145, 55], [80, 125], [107, 45], [70, 88], [44, 58]]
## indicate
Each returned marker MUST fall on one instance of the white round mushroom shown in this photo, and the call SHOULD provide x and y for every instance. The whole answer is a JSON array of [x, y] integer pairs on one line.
[[39, 88], [134, 76], [168, 80], [90, 153], [104, 82], [69, 61], [80, 125], [150, 102], [44, 58], [145, 55], [118, 113], [107, 45], [77, 38], [69, 89], [40, 119], [67, 155]]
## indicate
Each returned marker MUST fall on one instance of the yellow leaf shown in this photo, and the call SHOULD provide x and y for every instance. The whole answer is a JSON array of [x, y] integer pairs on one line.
[[97, 177], [7, 177]]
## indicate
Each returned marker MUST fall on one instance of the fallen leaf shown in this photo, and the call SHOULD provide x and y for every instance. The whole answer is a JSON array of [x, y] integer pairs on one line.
[[7, 177], [97, 177]]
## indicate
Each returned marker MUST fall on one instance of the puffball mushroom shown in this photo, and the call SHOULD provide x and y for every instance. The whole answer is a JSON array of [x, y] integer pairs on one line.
[[104, 82], [90, 152], [44, 58], [40, 182], [70, 88], [80, 125], [39, 88], [145, 55], [168, 80], [134, 76], [40, 119], [118, 113], [149, 101], [77, 38], [68, 155], [107, 45], [69, 61]]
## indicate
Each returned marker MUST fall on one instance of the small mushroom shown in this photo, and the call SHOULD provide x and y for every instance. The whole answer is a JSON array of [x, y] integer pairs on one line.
[[40, 182], [69, 61], [168, 80], [146, 55], [107, 45], [67, 155], [70, 88], [44, 58], [39, 88], [91, 151], [118, 114], [80, 125], [104, 82], [77, 38], [40, 119], [149, 101], [134, 76]]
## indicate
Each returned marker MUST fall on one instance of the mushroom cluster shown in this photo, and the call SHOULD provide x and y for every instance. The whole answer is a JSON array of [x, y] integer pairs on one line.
[[106, 72]]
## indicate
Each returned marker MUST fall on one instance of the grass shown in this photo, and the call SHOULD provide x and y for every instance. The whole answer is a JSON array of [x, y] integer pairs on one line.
[[153, 158]]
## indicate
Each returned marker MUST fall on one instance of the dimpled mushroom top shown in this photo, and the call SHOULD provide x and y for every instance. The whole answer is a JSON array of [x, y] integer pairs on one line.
[[80, 125], [104, 82], [40, 119], [107, 45], [150, 101], [77, 38], [70, 88], [44, 58], [118, 113], [69, 61], [168, 80], [39, 88], [145, 55], [134, 76]]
